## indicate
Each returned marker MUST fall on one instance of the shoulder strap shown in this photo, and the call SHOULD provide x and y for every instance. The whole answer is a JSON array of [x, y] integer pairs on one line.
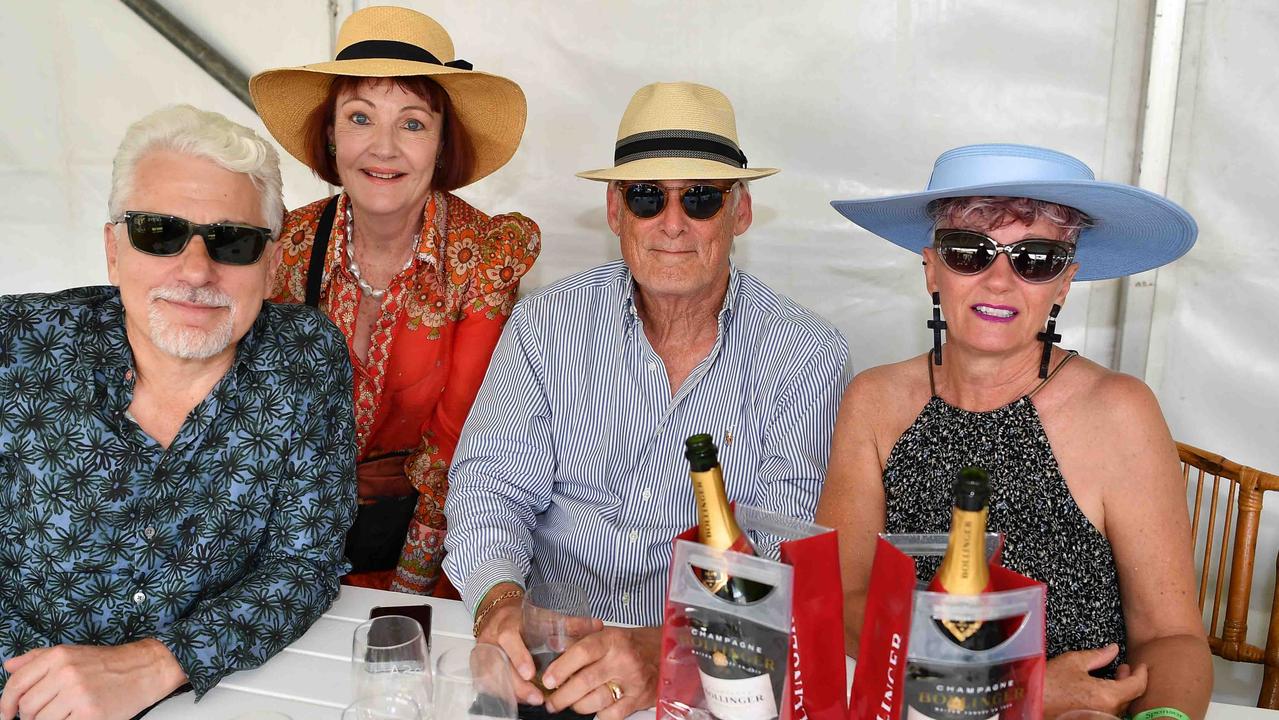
[[932, 386], [1070, 355], [319, 250]]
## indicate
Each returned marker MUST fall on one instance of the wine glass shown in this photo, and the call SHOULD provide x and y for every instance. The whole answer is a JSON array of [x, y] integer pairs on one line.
[[474, 682], [389, 657], [383, 707], [556, 615]]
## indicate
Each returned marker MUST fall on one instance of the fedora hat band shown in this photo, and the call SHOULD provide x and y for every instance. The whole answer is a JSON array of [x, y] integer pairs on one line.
[[395, 50], [678, 143]]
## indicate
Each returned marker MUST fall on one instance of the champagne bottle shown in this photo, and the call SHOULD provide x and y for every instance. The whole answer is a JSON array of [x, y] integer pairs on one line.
[[716, 525], [973, 691], [737, 659]]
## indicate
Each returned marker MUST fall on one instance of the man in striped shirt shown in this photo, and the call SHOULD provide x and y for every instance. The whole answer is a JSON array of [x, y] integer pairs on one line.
[[570, 465]]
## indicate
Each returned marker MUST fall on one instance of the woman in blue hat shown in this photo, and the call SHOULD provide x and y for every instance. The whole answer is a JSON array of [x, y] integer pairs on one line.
[[1086, 485]]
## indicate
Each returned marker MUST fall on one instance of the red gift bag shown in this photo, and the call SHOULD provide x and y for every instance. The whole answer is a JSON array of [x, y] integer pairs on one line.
[[899, 635], [816, 682]]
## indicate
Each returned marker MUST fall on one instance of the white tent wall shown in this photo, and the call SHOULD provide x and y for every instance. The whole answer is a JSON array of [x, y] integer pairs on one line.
[[77, 73], [863, 103], [1214, 354], [851, 98]]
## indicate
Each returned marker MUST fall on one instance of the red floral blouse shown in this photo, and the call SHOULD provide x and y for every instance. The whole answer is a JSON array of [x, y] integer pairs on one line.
[[430, 346]]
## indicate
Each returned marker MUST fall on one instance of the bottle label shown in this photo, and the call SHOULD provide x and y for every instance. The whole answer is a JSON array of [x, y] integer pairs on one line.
[[960, 692], [914, 714], [741, 664], [744, 699]]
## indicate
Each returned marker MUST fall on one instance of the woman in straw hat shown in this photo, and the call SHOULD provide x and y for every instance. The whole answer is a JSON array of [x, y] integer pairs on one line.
[[1085, 480], [418, 281]]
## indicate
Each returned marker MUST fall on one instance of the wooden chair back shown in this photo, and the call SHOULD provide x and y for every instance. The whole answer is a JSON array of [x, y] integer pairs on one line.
[[1230, 545]]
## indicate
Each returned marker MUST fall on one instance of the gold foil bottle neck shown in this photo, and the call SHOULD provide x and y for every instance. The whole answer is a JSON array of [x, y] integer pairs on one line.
[[716, 525]]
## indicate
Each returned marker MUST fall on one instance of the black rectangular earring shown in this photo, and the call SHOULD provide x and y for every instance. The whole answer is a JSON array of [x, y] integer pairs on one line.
[[1048, 337], [937, 325]]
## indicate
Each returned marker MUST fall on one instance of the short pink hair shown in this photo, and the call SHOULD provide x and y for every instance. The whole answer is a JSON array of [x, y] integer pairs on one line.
[[990, 213]]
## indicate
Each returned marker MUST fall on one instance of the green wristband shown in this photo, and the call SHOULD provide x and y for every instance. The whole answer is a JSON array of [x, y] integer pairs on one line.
[[1161, 712]]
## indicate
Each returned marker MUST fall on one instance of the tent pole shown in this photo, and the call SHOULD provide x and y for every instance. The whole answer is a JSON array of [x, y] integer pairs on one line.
[[1137, 293], [193, 46]]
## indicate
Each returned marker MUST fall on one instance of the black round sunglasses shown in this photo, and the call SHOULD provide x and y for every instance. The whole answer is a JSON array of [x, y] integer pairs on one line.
[[700, 202]]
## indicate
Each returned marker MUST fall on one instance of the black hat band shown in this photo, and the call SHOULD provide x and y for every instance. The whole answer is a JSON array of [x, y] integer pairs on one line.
[[679, 144], [395, 50]]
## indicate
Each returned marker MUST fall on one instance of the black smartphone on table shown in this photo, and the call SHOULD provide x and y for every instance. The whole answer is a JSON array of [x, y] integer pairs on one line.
[[538, 712], [420, 613]]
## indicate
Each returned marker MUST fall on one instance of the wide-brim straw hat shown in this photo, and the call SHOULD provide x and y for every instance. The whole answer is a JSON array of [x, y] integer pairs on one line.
[[678, 131], [383, 42], [1133, 230]]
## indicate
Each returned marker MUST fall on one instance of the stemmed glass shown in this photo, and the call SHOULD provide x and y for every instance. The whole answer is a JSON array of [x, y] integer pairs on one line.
[[389, 658], [474, 682], [383, 707], [555, 616]]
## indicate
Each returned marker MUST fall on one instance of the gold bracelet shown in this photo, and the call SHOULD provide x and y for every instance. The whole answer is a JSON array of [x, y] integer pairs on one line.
[[483, 613]]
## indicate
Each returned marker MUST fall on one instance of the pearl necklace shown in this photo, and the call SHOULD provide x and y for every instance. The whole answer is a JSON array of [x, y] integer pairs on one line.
[[354, 267]]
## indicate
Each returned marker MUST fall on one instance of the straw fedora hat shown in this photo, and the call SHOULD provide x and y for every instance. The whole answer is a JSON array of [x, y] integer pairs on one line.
[[385, 41], [678, 131], [1132, 230]]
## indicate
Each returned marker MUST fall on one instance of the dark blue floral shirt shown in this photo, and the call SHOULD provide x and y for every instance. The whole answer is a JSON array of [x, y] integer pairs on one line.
[[226, 546]]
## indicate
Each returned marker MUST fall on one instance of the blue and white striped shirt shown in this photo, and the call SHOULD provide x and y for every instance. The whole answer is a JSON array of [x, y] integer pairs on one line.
[[570, 466]]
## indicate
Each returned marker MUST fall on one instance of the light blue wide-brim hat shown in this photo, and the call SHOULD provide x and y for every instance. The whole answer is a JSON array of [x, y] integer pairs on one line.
[[1133, 230]]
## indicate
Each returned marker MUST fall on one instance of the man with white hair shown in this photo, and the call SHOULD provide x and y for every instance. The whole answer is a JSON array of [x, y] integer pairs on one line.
[[176, 456]]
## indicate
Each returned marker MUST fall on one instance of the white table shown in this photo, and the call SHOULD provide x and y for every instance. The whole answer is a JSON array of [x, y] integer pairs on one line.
[[310, 679]]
